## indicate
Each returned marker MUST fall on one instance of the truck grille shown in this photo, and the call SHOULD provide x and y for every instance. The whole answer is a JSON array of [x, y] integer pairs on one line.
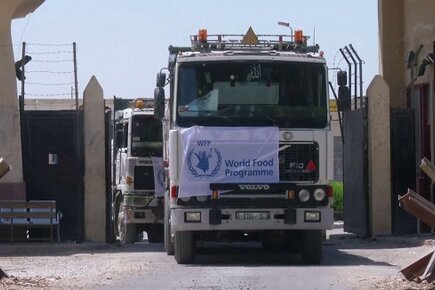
[[299, 162], [144, 177]]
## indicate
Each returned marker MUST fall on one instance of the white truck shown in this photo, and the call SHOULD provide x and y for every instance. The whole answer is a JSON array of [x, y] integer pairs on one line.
[[247, 143], [137, 173]]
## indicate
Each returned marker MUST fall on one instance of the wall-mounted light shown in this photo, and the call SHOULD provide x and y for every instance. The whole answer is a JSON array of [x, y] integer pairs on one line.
[[422, 67], [410, 59], [429, 59], [19, 64]]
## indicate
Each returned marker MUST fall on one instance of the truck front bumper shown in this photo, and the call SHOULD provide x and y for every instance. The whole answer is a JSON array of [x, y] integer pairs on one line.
[[209, 219], [142, 216]]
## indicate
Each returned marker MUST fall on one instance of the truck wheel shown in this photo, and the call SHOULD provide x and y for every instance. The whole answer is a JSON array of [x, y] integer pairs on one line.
[[184, 246], [169, 245], [155, 234], [127, 232], [312, 246], [117, 208], [139, 235]]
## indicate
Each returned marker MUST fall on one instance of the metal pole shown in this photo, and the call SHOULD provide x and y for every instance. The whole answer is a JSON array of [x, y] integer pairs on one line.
[[78, 122], [113, 142], [21, 108], [355, 75], [350, 70], [360, 73], [23, 55], [75, 76]]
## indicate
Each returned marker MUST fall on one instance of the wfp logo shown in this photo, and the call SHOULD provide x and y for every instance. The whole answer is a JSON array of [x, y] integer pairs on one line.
[[161, 177], [204, 161]]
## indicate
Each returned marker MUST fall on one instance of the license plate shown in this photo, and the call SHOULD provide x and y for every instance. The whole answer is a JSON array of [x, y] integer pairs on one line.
[[252, 215]]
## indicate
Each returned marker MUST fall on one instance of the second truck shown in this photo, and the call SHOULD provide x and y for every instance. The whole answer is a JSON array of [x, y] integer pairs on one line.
[[137, 204]]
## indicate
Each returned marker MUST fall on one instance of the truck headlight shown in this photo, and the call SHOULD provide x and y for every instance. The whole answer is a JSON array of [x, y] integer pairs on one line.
[[319, 194], [304, 195], [185, 199], [202, 198]]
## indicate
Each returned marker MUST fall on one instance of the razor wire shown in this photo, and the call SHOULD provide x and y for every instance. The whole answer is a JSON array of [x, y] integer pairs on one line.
[[50, 73]]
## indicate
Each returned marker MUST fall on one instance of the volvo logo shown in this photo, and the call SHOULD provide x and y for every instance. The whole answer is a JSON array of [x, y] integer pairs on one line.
[[254, 186]]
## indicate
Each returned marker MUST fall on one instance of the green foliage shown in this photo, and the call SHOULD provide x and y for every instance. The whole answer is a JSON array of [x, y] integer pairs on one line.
[[337, 187]]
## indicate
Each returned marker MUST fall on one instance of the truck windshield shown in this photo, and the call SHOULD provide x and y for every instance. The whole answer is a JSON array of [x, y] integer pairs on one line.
[[285, 94], [146, 136]]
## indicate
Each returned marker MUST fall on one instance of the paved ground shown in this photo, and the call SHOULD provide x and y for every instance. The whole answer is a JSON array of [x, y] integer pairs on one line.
[[349, 263]]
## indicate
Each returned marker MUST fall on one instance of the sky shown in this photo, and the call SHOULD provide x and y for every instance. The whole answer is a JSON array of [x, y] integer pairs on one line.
[[125, 43]]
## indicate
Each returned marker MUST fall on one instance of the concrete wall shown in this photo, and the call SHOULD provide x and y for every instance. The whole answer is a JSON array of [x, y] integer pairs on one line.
[[391, 49], [404, 26], [10, 136], [379, 157], [95, 169], [419, 29], [409, 26]]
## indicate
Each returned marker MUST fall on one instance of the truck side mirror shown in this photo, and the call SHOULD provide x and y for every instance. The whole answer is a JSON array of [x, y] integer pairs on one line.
[[119, 139], [342, 78], [159, 103], [344, 99], [161, 80]]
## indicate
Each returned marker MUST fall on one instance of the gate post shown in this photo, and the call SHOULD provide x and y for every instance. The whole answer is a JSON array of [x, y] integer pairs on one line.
[[95, 166], [378, 119], [10, 133]]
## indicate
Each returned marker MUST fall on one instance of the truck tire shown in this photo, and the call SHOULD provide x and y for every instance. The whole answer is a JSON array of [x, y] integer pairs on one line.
[[169, 245], [117, 205], [184, 246], [126, 232], [139, 235], [312, 246], [155, 234]]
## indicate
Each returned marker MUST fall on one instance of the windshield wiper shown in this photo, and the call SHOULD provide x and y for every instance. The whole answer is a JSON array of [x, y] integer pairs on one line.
[[225, 118], [274, 121]]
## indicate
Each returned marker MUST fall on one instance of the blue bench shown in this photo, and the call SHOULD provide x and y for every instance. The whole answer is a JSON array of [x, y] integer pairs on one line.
[[30, 214]]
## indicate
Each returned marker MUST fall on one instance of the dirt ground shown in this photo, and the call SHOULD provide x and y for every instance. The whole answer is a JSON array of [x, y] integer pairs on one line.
[[69, 265], [96, 266]]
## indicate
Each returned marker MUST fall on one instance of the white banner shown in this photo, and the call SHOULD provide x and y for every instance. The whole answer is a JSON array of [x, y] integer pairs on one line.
[[159, 183], [227, 155]]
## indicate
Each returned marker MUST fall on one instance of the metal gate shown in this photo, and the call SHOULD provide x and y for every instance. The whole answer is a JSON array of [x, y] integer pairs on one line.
[[403, 175], [355, 172], [53, 165]]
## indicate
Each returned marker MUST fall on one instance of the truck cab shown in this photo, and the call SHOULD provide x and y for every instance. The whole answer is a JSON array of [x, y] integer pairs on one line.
[[248, 143]]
